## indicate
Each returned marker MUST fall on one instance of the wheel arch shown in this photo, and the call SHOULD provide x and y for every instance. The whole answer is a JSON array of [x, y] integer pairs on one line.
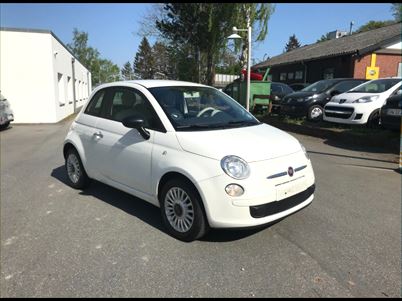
[[177, 174]]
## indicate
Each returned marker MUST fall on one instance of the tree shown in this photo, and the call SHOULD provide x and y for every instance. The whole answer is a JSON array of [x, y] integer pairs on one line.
[[292, 44], [396, 9], [324, 38], [144, 61], [102, 70], [127, 71], [202, 28], [163, 67], [373, 25]]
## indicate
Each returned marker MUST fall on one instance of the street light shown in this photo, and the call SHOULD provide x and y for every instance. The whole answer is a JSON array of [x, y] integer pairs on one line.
[[236, 36]]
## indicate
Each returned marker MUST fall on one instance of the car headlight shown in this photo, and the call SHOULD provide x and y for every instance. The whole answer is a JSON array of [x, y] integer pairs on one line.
[[307, 98], [235, 167], [305, 151], [366, 99]]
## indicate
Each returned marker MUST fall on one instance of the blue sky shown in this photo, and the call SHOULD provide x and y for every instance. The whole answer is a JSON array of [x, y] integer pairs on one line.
[[113, 28]]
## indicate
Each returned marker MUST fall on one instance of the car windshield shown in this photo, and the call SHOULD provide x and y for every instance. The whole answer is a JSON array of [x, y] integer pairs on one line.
[[197, 108], [376, 86], [320, 86]]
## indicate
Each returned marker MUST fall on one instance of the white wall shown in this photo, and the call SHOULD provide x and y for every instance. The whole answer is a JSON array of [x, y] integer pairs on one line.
[[30, 66], [26, 77], [62, 64]]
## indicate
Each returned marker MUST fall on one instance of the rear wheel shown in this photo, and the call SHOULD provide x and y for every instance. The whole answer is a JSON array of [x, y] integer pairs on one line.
[[76, 175], [182, 211]]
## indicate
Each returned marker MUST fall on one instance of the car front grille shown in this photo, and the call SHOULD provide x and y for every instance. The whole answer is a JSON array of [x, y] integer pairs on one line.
[[282, 205], [338, 112]]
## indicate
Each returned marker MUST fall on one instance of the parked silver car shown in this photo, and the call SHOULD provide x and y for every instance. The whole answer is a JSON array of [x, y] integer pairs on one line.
[[6, 114]]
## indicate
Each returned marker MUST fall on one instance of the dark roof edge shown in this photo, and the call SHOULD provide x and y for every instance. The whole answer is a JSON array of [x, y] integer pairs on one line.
[[42, 31], [379, 45], [306, 60]]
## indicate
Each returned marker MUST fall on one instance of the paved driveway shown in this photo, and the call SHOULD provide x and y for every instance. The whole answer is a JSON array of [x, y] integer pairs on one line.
[[60, 242]]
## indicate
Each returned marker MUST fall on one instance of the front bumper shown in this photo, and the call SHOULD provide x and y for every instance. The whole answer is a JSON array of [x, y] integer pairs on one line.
[[347, 114], [269, 193]]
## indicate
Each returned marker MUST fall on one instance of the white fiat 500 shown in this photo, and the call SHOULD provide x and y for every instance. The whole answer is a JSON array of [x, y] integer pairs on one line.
[[192, 151], [362, 104]]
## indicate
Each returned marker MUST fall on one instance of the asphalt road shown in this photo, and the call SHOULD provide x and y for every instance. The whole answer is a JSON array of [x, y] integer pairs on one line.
[[60, 242]]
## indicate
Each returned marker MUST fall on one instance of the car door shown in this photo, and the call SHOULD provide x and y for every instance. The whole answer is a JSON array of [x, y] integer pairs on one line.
[[86, 129], [125, 155]]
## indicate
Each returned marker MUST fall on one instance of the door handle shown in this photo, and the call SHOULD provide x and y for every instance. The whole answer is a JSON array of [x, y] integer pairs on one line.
[[98, 135]]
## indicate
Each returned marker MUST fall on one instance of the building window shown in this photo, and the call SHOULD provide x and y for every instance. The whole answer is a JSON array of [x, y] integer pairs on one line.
[[282, 76], [328, 73], [69, 90], [290, 75], [60, 86], [299, 75]]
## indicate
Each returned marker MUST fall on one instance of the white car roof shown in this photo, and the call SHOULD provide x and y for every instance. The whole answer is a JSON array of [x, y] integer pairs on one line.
[[152, 83]]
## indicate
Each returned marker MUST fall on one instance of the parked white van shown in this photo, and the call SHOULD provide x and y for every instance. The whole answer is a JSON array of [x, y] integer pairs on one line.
[[362, 104], [192, 151]]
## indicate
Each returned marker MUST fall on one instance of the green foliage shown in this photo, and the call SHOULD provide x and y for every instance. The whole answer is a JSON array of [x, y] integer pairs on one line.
[[201, 30], [324, 38], [292, 44], [102, 70], [373, 25], [144, 61], [127, 71], [396, 9]]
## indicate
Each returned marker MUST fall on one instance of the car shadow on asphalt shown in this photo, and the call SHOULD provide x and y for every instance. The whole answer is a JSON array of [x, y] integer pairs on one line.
[[145, 211]]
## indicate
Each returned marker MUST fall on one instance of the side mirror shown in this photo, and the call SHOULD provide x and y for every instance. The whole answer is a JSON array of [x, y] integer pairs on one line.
[[335, 92], [136, 123]]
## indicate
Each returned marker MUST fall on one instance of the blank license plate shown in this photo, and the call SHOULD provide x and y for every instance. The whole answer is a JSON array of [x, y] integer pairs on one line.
[[394, 112], [287, 190]]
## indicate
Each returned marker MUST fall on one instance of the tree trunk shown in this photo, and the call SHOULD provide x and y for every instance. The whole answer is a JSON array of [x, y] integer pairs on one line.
[[210, 68]]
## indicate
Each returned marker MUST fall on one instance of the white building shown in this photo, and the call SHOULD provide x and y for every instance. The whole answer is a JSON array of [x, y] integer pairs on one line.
[[40, 77]]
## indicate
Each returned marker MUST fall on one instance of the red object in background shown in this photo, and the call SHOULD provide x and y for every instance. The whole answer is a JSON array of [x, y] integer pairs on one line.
[[254, 76]]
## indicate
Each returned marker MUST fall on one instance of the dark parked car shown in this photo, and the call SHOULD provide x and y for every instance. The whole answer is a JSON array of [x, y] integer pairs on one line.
[[299, 86], [311, 100], [391, 112], [278, 92]]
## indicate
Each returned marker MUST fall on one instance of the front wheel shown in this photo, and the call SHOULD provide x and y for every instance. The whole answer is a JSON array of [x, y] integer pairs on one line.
[[182, 212], [315, 113], [5, 125], [373, 121]]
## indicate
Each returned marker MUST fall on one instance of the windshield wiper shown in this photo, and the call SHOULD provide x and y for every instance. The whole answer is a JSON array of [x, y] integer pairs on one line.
[[244, 122], [199, 126]]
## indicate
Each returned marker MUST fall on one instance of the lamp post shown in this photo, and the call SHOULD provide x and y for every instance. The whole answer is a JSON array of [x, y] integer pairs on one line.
[[236, 36]]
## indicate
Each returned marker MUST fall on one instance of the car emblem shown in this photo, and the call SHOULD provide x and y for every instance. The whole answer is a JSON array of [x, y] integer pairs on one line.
[[291, 171], [342, 100]]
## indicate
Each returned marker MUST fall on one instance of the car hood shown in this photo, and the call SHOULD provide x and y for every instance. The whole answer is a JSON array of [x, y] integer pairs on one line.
[[251, 143], [300, 94], [350, 97]]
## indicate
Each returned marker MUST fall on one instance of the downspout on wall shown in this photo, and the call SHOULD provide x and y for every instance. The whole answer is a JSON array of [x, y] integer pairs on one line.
[[73, 75]]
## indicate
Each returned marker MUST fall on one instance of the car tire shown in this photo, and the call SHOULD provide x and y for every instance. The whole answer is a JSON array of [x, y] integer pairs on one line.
[[5, 125], [373, 122], [315, 113], [76, 174], [182, 211]]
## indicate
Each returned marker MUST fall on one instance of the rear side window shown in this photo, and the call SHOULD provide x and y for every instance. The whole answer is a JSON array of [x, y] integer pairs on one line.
[[277, 89], [95, 106]]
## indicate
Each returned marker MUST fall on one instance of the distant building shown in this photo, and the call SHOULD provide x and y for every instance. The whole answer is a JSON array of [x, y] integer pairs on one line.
[[40, 77], [221, 80], [371, 54]]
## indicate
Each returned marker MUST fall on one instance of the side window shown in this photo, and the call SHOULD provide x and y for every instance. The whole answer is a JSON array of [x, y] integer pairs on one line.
[[127, 102], [95, 106]]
